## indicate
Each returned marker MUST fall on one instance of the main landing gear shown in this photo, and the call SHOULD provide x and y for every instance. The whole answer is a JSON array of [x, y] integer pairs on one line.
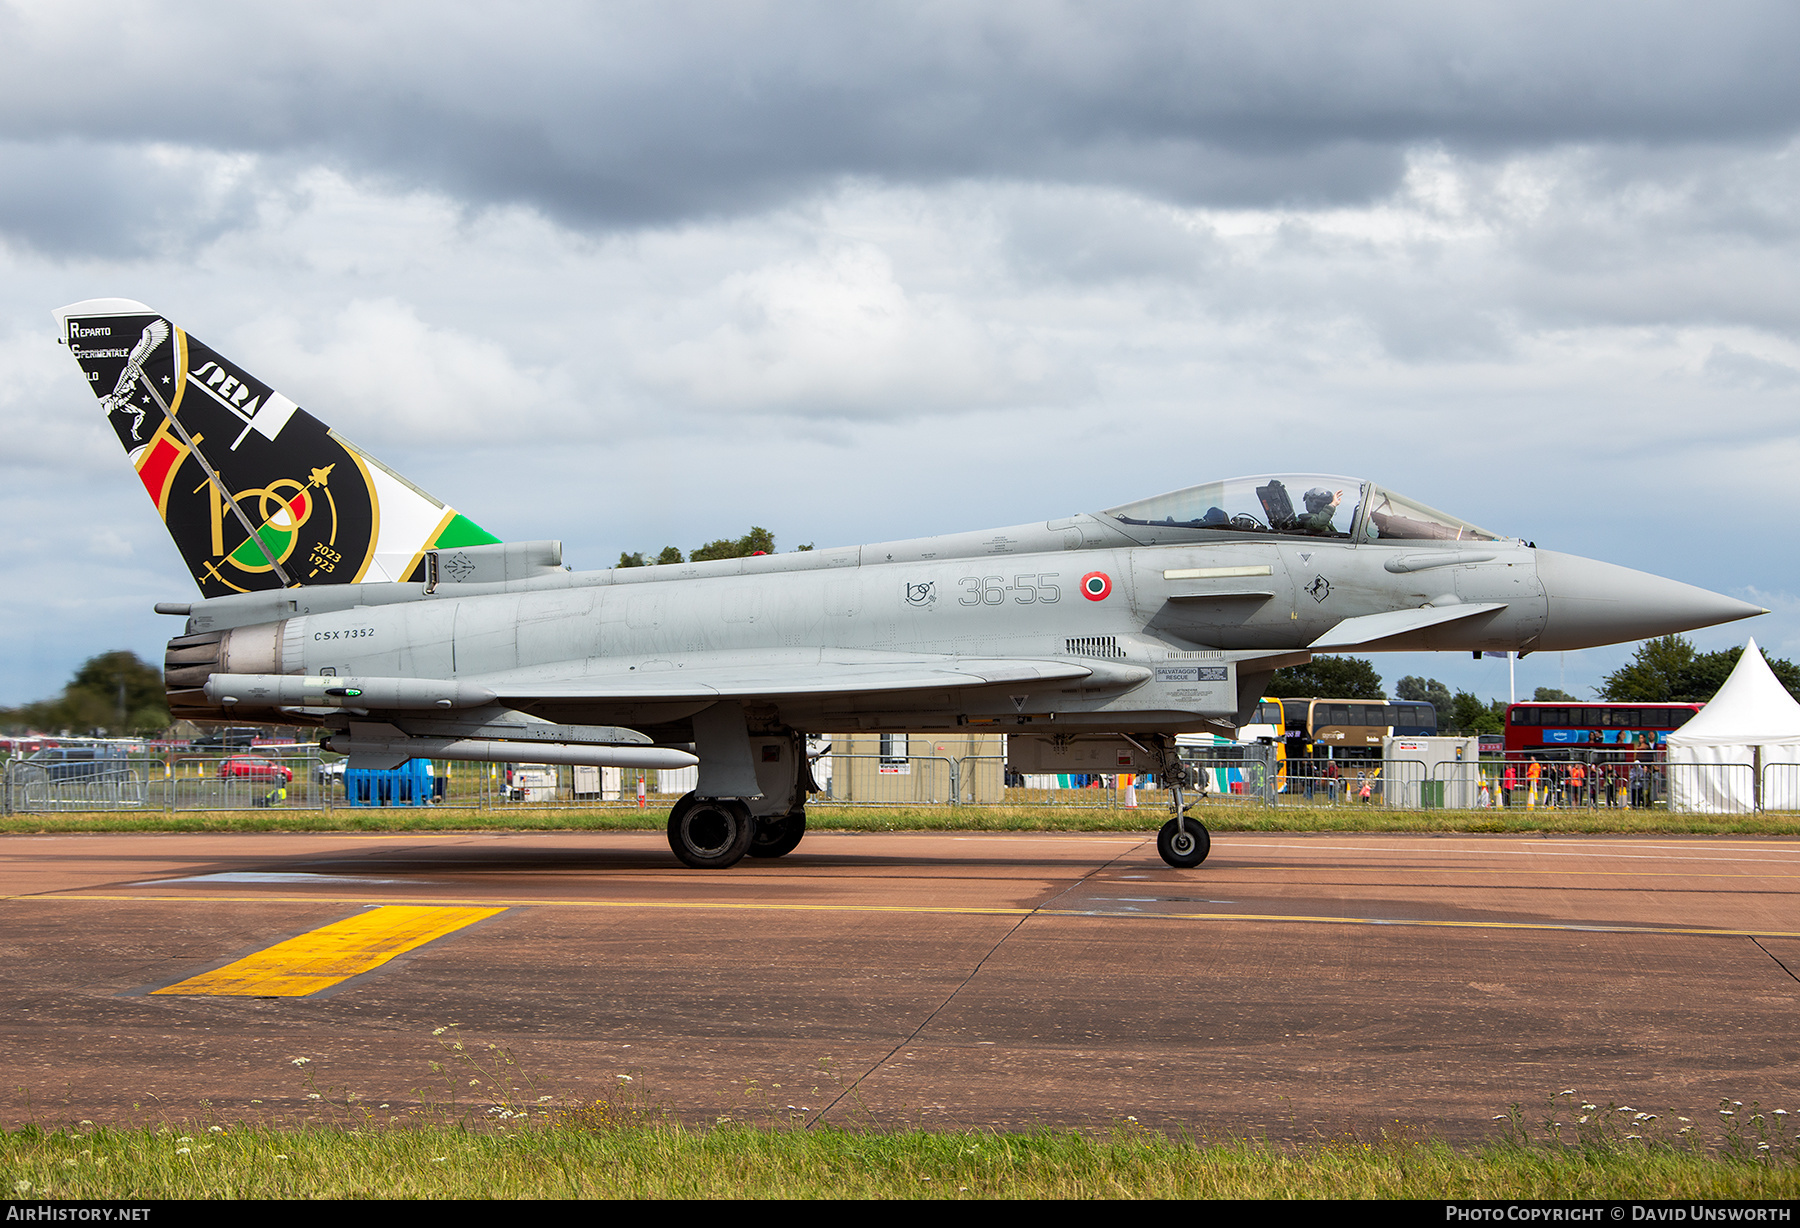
[[714, 834]]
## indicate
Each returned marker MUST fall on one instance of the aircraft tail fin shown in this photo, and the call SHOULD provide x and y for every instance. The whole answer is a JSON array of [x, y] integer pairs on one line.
[[256, 492]]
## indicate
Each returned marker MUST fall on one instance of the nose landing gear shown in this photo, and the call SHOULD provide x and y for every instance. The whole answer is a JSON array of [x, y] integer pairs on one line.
[[1182, 842]]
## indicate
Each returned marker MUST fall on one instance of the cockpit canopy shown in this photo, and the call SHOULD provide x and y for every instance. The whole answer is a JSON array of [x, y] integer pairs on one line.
[[1293, 505]]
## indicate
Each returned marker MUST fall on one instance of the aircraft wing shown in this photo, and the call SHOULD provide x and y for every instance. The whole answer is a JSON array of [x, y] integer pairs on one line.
[[1371, 627], [748, 675]]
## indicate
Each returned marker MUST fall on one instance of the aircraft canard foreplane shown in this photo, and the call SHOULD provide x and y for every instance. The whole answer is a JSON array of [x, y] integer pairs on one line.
[[337, 594]]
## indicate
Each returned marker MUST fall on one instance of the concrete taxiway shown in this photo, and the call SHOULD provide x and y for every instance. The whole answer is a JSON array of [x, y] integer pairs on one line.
[[1293, 986]]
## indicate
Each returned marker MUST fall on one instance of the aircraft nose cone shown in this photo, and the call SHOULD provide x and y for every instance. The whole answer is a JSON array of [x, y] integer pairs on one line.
[[1592, 603]]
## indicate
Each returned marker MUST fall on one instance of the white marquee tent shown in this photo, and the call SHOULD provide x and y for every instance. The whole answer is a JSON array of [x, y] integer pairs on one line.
[[1742, 751]]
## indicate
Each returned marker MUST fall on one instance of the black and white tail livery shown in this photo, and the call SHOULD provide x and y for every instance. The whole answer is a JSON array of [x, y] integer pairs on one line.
[[256, 492]]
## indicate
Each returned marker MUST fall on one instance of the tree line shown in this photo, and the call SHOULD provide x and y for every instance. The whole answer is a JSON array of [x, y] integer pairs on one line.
[[114, 694], [757, 541]]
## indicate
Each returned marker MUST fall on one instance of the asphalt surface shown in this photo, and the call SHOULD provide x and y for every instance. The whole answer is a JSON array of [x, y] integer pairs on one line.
[[1292, 987]]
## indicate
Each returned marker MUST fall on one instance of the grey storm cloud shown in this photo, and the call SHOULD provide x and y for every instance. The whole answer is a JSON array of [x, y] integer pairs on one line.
[[74, 197], [646, 114]]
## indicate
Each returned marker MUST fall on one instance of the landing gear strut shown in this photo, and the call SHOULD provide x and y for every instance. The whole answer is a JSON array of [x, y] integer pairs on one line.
[[784, 772]]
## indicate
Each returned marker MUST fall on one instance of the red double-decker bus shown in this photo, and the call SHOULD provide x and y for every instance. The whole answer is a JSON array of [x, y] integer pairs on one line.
[[1558, 730]]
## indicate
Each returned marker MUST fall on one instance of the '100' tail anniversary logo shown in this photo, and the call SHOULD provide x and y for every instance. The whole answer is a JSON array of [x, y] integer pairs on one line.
[[256, 492]]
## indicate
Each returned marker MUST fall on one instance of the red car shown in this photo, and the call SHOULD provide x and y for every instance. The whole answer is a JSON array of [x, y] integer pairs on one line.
[[248, 768]]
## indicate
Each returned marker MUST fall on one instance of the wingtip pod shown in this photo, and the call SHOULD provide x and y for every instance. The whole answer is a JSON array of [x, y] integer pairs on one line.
[[255, 491]]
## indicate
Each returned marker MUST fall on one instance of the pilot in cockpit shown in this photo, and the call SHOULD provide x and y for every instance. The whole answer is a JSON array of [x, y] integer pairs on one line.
[[1321, 506]]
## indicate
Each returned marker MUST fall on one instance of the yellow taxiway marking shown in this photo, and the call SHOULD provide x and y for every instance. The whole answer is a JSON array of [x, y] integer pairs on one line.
[[323, 957], [966, 910]]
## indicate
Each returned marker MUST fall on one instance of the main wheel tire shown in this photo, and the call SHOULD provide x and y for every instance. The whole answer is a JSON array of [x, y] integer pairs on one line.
[[778, 835], [710, 834], [1186, 847]]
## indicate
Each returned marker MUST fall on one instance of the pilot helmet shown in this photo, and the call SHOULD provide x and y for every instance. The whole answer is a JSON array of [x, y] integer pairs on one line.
[[1317, 499]]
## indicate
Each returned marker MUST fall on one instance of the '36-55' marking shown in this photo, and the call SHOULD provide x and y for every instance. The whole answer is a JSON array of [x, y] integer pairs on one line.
[[1026, 590]]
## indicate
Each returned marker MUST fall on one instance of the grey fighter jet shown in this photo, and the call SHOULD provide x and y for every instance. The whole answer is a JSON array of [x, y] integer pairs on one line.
[[340, 595]]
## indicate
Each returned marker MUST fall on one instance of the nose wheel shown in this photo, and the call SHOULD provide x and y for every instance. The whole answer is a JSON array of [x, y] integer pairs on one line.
[[1183, 843]]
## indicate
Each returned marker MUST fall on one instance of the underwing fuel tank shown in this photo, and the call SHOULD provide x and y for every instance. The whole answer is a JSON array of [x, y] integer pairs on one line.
[[1590, 603]]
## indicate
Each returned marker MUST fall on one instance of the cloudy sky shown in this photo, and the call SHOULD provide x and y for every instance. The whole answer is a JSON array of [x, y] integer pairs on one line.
[[645, 274]]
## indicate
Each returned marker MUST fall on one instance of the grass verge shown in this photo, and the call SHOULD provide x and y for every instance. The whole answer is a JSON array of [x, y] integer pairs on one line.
[[661, 1160], [1218, 816]]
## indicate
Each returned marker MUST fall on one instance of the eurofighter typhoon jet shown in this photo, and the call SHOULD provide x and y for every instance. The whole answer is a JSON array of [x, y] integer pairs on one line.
[[335, 593]]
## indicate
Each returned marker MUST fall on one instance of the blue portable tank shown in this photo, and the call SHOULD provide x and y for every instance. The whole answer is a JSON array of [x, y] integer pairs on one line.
[[410, 784]]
